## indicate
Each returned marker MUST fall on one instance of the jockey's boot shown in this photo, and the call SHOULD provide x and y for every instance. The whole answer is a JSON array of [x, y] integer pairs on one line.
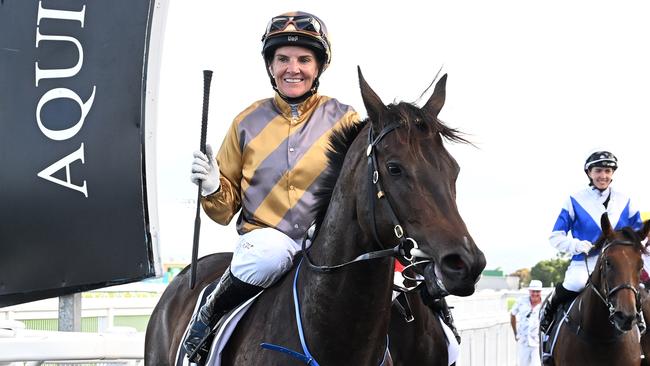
[[440, 306], [560, 296], [229, 293]]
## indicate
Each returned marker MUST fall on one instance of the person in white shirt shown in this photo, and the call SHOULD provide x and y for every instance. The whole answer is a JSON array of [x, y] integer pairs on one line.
[[524, 318]]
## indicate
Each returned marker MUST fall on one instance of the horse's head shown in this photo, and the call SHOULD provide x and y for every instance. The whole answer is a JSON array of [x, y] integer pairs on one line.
[[411, 181], [616, 277]]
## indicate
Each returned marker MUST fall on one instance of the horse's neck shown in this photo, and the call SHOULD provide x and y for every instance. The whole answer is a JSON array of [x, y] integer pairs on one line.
[[349, 306], [341, 239]]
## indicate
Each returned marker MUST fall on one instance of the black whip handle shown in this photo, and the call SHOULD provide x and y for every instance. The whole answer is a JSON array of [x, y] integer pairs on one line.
[[207, 79]]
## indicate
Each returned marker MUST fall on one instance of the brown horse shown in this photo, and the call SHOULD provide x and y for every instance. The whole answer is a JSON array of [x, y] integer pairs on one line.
[[391, 186], [601, 326]]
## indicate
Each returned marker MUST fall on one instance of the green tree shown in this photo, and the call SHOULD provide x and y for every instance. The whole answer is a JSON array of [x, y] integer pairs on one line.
[[550, 271]]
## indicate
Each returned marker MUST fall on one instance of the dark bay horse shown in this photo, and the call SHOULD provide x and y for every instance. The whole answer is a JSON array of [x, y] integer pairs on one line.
[[602, 324], [390, 186]]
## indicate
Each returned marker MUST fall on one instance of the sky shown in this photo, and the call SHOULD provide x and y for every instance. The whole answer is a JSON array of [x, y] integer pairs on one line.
[[535, 85]]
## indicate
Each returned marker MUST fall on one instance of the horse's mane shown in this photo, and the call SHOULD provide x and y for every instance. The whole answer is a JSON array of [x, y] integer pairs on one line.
[[416, 121], [340, 141]]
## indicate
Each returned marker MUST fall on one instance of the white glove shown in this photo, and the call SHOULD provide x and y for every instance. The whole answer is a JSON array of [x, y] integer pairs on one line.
[[583, 246], [206, 170]]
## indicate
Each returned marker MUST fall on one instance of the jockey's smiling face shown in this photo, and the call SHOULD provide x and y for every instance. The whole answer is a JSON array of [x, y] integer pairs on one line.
[[294, 70], [601, 177]]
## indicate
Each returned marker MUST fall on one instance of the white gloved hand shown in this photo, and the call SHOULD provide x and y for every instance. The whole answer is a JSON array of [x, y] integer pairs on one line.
[[206, 170], [583, 246]]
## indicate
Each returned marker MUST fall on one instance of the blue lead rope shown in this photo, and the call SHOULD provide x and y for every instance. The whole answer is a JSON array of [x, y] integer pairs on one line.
[[307, 358], [297, 355]]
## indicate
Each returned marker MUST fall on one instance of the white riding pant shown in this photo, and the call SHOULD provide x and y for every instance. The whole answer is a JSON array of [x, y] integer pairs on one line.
[[262, 256], [576, 276]]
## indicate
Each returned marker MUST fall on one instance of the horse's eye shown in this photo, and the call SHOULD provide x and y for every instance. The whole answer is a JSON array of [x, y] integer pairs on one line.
[[394, 169]]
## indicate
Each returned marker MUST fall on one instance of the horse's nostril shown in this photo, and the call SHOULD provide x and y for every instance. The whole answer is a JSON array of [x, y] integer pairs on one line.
[[622, 321], [454, 262]]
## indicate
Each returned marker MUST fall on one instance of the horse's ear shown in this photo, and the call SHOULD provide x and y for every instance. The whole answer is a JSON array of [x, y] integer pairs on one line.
[[645, 230], [437, 99], [606, 226], [374, 106]]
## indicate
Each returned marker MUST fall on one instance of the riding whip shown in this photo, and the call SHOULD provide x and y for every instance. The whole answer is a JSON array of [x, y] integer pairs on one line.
[[207, 78]]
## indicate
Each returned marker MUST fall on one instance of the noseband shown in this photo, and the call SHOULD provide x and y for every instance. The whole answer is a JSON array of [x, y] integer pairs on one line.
[[609, 293]]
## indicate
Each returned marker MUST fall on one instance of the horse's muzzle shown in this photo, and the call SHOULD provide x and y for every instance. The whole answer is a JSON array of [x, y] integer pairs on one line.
[[457, 272], [622, 321], [461, 270]]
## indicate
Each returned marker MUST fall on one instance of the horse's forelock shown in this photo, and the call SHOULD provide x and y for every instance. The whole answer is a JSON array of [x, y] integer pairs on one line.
[[411, 115], [635, 238], [629, 234], [421, 125]]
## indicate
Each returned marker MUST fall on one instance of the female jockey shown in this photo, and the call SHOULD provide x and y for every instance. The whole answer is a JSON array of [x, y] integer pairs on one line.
[[581, 216], [268, 166]]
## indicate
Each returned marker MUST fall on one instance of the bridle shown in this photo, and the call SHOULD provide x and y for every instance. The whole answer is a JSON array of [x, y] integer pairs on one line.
[[609, 293], [407, 248]]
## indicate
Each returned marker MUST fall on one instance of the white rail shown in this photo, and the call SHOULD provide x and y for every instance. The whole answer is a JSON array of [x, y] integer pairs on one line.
[[484, 325], [18, 344], [482, 320]]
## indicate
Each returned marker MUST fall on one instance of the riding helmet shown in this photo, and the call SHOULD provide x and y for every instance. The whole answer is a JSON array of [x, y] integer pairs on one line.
[[297, 28], [603, 159]]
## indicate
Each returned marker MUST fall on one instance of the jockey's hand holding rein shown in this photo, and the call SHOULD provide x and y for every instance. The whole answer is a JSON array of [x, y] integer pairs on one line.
[[583, 246], [205, 169]]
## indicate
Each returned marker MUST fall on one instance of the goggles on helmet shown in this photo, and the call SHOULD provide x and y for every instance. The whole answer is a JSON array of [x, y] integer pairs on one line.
[[303, 23]]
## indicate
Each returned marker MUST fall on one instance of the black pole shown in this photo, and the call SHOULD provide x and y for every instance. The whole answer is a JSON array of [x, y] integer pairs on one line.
[[207, 78]]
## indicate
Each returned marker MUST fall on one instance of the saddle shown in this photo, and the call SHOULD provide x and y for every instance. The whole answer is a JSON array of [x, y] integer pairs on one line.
[[547, 341]]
